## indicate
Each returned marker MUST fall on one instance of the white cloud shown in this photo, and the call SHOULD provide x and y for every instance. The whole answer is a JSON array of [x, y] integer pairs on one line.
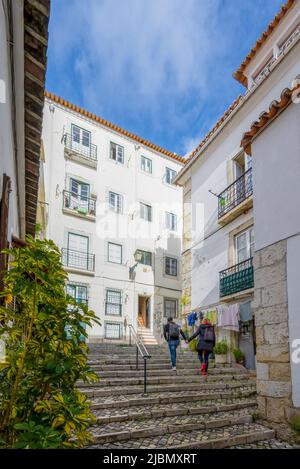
[[153, 61]]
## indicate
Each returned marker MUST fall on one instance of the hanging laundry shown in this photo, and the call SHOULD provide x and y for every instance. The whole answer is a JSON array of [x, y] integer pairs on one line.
[[245, 311], [192, 318], [228, 317]]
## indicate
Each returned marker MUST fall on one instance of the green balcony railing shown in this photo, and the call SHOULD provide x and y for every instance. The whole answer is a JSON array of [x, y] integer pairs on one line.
[[237, 278]]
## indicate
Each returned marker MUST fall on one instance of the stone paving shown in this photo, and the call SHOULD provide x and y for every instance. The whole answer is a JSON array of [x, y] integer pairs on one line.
[[180, 410]]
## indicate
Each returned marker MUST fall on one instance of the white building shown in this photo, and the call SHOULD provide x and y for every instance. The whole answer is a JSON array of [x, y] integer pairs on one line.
[[116, 216], [223, 237]]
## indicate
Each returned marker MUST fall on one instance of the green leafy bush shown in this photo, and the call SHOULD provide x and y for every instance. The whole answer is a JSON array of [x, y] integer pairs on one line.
[[44, 332], [238, 355], [221, 348], [193, 345]]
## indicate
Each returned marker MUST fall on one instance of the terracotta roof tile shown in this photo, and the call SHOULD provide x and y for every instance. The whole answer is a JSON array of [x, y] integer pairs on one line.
[[275, 108], [114, 127], [222, 119], [239, 74]]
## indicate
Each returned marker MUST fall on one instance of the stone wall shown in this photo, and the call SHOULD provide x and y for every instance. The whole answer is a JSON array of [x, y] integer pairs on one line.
[[270, 309]]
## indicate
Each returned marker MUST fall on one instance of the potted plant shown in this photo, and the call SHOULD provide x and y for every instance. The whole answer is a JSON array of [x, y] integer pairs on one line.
[[220, 351], [239, 356]]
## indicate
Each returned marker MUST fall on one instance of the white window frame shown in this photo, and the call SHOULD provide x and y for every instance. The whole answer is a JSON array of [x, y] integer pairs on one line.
[[111, 323], [145, 211], [170, 175], [117, 207], [171, 221], [76, 286], [146, 164], [110, 293], [168, 314], [119, 152], [249, 246], [109, 244], [171, 263], [82, 131]]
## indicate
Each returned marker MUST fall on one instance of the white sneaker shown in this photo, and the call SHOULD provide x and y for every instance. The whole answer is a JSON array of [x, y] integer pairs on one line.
[[173, 368]]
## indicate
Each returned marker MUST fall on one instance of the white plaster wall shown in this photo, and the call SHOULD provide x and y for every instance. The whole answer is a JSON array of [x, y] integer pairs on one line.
[[126, 229], [276, 167], [210, 242]]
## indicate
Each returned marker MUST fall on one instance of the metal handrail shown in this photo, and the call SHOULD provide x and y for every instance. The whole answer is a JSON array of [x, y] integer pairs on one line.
[[74, 201], [140, 349]]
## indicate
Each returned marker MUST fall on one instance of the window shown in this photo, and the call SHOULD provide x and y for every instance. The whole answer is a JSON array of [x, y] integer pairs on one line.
[[146, 257], [170, 308], [78, 243], [113, 303], [171, 221], [146, 211], [115, 202], [115, 253], [80, 189], [77, 253], [170, 175], [171, 266], [116, 153], [112, 330], [78, 292], [146, 165], [244, 245], [81, 139]]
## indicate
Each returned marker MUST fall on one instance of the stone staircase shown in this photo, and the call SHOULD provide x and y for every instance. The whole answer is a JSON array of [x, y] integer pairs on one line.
[[180, 410], [146, 336]]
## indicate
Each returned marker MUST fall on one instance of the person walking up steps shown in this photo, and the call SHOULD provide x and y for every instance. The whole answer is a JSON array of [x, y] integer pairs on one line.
[[172, 333], [205, 345]]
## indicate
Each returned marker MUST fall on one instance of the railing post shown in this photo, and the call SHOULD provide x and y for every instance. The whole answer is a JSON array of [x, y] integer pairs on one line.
[[145, 375], [130, 336], [137, 357]]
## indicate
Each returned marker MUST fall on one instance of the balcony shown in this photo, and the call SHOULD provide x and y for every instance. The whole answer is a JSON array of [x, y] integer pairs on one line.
[[236, 198], [76, 151], [236, 279], [78, 261], [83, 207]]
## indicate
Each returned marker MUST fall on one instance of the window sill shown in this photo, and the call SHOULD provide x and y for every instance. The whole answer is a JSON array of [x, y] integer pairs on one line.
[[76, 214], [75, 270]]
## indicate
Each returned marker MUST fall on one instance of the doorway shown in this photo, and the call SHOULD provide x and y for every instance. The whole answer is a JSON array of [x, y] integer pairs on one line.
[[144, 311]]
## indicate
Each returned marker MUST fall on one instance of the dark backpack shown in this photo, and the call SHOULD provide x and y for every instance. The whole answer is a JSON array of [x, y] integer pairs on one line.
[[209, 335], [174, 331]]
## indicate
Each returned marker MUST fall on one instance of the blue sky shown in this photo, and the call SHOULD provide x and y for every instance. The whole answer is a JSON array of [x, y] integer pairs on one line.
[[159, 68]]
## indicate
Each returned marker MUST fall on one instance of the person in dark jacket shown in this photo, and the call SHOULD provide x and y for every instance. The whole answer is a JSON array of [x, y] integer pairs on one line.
[[206, 343], [172, 332]]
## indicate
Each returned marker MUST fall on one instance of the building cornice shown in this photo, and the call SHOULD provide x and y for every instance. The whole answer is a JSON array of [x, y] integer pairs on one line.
[[239, 73], [56, 99]]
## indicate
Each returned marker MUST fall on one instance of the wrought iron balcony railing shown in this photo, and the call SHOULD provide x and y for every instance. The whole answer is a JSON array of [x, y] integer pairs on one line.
[[78, 260], [86, 151], [236, 193], [82, 205], [237, 278]]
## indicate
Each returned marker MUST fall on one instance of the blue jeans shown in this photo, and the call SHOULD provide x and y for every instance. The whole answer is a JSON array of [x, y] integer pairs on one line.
[[173, 344]]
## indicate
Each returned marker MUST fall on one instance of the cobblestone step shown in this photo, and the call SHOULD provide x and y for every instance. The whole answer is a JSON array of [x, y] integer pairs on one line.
[[214, 438], [174, 397], [267, 444], [94, 391], [203, 406], [158, 380], [117, 431], [114, 371]]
